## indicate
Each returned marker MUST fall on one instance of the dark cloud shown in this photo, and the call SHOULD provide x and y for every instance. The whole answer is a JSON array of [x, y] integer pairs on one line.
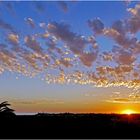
[[61, 31], [88, 58], [31, 42], [96, 25], [119, 26], [76, 43], [124, 58]]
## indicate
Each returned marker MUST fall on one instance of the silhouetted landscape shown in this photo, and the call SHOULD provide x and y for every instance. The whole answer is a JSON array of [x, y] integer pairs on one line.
[[67, 125]]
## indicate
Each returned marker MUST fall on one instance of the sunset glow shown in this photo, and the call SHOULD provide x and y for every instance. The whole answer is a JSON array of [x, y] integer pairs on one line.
[[128, 112]]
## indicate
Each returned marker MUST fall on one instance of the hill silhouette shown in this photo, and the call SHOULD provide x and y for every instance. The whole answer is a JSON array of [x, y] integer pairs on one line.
[[69, 125]]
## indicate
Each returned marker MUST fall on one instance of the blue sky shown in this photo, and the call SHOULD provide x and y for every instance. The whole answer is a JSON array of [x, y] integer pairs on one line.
[[52, 39]]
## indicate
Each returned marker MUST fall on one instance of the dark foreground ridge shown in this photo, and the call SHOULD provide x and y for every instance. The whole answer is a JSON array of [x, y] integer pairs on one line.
[[69, 125]]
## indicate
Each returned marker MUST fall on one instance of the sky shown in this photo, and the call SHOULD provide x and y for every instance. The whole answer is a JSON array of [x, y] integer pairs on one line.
[[70, 56]]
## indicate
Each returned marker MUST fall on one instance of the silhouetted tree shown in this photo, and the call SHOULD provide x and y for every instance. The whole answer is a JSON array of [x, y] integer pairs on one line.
[[4, 108]]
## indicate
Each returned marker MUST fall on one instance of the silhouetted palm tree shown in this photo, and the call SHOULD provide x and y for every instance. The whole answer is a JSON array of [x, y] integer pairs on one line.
[[4, 109]]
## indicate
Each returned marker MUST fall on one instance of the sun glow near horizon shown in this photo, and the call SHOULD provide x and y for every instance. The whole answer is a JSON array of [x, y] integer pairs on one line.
[[129, 111]]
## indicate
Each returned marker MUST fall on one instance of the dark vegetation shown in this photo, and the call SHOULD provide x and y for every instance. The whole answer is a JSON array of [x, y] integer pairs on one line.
[[67, 125], [5, 110]]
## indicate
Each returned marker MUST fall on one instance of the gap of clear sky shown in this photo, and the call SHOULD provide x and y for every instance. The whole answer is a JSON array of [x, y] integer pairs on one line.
[[70, 56]]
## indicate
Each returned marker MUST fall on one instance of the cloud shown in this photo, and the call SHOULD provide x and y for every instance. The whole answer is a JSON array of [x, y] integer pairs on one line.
[[31, 42], [30, 22], [119, 37], [88, 58], [52, 46], [133, 23], [96, 25], [61, 31], [119, 100], [124, 58], [63, 5], [74, 42], [65, 62], [35, 101], [135, 11], [126, 68], [119, 26], [38, 61], [107, 56], [114, 73], [43, 25], [7, 58], [10, 60], [56, 46], [6, 52], [116, 92], [30, 59], [13, 39], [124, 101], [101, 70]]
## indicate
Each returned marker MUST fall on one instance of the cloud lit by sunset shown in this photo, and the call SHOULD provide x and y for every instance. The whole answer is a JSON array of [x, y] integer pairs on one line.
[[70, 56]]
